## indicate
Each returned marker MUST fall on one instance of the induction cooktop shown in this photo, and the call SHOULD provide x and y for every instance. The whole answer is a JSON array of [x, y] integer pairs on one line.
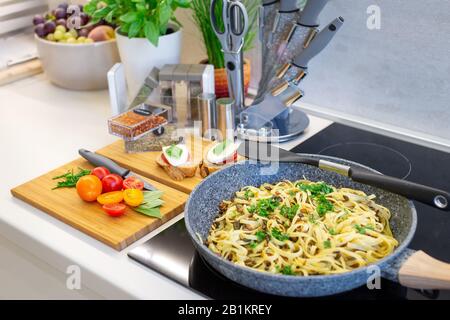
[[172, 253]]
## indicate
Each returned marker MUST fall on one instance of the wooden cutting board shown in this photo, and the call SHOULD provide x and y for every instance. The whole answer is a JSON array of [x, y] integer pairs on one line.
[[145, 163], [20, 71], [65, 205]]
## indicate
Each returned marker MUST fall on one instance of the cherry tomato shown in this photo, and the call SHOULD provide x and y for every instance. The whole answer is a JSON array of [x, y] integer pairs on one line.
[[133, 183], [115, 209], [112, 182], [133, 197], [110, 197], [89, 188], [100, 172]]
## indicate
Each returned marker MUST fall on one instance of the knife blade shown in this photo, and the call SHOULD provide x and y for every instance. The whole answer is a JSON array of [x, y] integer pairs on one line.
[[258, 115], [101, 161], [264, 152], [283, 23], [305, 30], [296, 40], [287, 80], [296, 70]]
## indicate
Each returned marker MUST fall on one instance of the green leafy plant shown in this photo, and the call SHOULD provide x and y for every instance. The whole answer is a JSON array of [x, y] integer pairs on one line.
[[137, 18], [202, 19]]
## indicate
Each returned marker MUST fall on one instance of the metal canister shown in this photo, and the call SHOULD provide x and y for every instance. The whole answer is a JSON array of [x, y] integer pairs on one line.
[[207, 110], [226, 123]]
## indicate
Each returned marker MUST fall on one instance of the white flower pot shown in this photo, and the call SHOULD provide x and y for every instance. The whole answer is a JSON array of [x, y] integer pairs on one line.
[[139, 56]]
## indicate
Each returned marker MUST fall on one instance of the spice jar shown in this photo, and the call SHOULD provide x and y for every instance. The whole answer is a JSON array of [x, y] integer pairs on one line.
[[138, 121]]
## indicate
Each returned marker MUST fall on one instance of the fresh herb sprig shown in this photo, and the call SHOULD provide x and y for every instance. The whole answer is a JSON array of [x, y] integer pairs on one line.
[[264, 206], [151, 204], [137, 18], [286, 270], [362, 229], [289, 212], [248, 194], [70, 178], [261, 235], [316, 189], [323, 205], [277, 234]]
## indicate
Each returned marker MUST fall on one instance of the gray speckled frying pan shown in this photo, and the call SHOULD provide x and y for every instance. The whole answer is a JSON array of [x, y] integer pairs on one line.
[[411, 268]]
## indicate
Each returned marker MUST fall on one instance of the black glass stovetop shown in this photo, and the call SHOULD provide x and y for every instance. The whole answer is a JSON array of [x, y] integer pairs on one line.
[[172, 253]]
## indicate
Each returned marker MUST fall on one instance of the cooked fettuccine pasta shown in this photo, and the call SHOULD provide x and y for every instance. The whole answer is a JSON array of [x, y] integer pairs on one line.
[[302, 228]]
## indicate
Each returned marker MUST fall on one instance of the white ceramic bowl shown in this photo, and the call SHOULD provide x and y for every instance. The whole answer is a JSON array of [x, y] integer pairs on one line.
[[78, 66]]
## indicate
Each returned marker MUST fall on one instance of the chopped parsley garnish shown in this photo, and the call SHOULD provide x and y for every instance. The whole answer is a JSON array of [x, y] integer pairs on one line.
[[316, 188], [362, 229], [292, 193], [248, 194], [327, 244], [253, 244], [312, 219], [265, 206], [332, 231], [251, 209], [287, 270], [289, 212], [277, 234], [323, 205], [261, 235], [220, 148], [174, 151]]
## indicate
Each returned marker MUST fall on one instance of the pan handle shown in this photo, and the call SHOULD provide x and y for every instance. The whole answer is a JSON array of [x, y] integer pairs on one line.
[[420, 271], [439, 199]]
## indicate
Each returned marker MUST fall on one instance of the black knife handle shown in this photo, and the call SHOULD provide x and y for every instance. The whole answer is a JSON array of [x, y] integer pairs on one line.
[[101, 161], [434, 197]]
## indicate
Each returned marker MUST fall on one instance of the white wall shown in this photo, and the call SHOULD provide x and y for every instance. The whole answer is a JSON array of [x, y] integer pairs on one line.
[[398, 75]]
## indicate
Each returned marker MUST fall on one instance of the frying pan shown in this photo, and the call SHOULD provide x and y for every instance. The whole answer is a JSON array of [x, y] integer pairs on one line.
[[413, 269]]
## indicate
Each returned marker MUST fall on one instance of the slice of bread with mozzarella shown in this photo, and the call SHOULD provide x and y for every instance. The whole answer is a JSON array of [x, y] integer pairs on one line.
[[217, 156], [178, 162]]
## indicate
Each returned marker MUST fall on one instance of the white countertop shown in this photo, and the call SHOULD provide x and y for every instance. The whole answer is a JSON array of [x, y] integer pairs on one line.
[[42, 127]]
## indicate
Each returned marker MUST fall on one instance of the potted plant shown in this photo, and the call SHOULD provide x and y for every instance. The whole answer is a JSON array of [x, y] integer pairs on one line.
[[202, 19], [148, 34]]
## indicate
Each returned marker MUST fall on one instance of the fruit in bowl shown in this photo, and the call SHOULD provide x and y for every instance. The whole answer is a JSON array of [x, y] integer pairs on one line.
[[69, 24], [75, 51]]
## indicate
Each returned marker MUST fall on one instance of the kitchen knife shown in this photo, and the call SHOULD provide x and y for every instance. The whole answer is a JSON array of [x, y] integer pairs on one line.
[[101, 161], [283, 23], [258, 115], [296, 40], [311, 12], [431, 196], [267, 13], [305, 30], [295, 71]]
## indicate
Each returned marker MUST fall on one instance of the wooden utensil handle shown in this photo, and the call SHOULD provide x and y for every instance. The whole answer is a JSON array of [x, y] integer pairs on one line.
[[421, 271]]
